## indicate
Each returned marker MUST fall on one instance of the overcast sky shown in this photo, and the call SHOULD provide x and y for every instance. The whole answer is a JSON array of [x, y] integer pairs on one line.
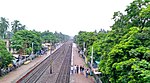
[[66, 16]]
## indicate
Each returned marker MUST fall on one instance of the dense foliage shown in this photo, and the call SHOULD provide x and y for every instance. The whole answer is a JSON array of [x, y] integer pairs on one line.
[[4, 25], [49, 37], [22, 41], [5, 57], [124, 52], [16, 26], [85, 39]]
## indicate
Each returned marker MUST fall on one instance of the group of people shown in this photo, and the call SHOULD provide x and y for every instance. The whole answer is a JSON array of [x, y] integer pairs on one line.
[[76, 69]]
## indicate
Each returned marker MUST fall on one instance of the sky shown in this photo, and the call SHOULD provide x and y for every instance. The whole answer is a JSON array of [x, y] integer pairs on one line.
[[66, 16]]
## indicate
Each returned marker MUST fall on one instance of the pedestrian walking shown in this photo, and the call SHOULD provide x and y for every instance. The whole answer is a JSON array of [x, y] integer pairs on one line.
[[90, 72], [80, 54], [83, 69], [87, 72], [72, 69], [80, 69], [77, 69]]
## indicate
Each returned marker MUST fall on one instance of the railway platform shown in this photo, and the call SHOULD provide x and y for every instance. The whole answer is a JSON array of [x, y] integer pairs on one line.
[[77, 60]]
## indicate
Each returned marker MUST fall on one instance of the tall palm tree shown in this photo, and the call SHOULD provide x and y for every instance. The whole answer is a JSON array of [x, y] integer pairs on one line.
[[16, 26], [4, 25]]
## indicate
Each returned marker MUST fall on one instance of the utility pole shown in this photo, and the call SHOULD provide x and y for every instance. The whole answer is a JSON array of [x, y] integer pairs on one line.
[[51, 46], [51, 62], [84, 51]]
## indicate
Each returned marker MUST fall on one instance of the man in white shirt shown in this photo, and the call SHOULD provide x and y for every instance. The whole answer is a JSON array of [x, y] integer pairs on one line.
[[72, 69], [75, 68]]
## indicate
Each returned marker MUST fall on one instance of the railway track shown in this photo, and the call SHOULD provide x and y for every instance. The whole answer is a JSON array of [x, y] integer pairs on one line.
[[64, 74], [40, 74]]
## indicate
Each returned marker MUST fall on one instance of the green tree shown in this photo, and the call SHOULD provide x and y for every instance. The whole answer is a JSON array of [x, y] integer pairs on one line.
[[101, 35], [48, 37], [125, 46], [86, 38], [22, 41], [53, 38], [4, 25], [124, 59], [5, 57], [16, 26], [124, 52], [61, 37]]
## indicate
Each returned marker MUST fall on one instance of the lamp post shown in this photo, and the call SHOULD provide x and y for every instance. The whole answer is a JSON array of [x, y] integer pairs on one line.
[[84, 49]]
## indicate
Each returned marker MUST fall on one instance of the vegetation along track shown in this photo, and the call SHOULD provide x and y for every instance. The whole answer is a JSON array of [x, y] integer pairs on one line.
[[34, 75]]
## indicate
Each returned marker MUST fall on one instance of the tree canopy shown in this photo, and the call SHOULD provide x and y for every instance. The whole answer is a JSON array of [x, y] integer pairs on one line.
[[5, 57], [53, 38], [16, 26], [4, 25], [23, 40], [123, 52]]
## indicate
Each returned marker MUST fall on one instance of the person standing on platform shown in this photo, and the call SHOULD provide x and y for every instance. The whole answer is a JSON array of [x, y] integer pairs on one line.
[[80, 69], [72, 69], [86, 73], [83, 69], [77, 69]]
